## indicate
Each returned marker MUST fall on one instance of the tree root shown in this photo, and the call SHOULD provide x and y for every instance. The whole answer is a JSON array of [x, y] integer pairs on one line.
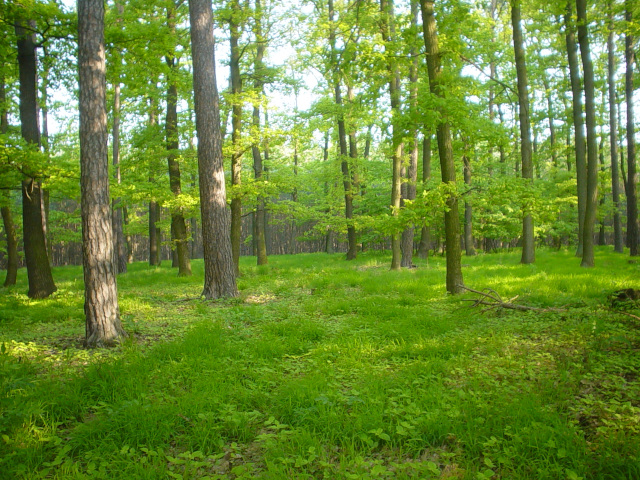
[[492, 299]]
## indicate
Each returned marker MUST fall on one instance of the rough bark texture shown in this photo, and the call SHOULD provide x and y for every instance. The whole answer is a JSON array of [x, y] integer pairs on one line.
[[388, 35], [591, 204], [632, 176], [526, 154], [578, 121], [618, 244], [103, 325], [236, 133], [451, 218], [220, 275], [41, 283], [258, 165], [425, 237], [178, 224]]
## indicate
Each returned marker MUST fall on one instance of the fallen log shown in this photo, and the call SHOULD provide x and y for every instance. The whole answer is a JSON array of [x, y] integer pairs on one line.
[[491, 299]]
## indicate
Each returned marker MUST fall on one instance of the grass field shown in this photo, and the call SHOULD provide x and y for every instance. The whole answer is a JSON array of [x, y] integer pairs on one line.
[[329, 369]]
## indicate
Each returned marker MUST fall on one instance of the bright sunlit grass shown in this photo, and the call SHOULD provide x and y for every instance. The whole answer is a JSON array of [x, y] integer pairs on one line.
[[329, 369]]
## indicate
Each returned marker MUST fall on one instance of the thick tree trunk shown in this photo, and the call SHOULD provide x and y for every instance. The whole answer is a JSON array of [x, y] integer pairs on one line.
[[220, 276], [591, 204], [103, 325], [41, 283], [578, 122], [451, 217], [388, 34], [528, 240], [632, 176], [618, 244], [425, 237]]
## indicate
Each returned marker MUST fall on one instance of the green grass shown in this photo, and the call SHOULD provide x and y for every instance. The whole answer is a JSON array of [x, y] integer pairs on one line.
[[329, 369]]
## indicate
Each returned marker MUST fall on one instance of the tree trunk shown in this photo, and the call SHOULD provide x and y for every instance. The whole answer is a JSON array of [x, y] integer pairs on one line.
[[7, 218], [388, 35], [425, 240], [103, 325], [632, 176], [258, 165], [578, 122], [409, 187], [451, 218], [220, 277], [618, 245], [528, 240], [591, 204], [41, 283], [178, 224], [470, 249]]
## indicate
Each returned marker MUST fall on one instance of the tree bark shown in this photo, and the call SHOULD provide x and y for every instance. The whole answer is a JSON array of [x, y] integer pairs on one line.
[[618, 245], [220, 276], [591, 204], [7, 217], [178, 224], [632, 176], [528, 240], [258, 165], [41, 283], [470, 249], [578, 122], [425, 240], [103, 325], [388, 35], [447, 166]]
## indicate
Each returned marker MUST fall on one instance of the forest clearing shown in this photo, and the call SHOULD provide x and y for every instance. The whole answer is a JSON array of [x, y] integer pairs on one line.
[[324, 368]]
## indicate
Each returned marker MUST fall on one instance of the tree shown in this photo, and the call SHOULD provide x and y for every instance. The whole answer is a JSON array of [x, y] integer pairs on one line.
[[613, 134], [220, 276], [632, 180], [445, 149], [528, 240], [103, 325], [41, 283], [178, 224]]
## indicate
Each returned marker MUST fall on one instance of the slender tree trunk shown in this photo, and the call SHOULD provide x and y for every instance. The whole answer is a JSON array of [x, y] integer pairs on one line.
[[388, 35], [425, 240], [470, 248], [551, 115], [155, 258], [103, 325], [632, 176], [41, 283], [528, 240], [178, 224], [220, 277], [618, 245], [409, 187], [325, 157], [451, 218], [578, 122], [258, 165], [44, 111], [591, 204], [7, 218], [236, 133]]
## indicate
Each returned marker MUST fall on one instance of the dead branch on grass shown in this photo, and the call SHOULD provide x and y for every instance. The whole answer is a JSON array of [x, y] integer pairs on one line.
[[491, 299]]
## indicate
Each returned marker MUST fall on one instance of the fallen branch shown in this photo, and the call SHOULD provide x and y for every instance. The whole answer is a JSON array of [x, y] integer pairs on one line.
[[492, 299]]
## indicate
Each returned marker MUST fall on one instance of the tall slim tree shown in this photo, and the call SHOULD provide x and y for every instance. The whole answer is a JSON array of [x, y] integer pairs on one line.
[[578, 120], [618, 244], [178, 224], [5, 209], [591, 204], [445, 149], [219, 271], [526, 151], [41, 283], [103, 325], [632, 176]]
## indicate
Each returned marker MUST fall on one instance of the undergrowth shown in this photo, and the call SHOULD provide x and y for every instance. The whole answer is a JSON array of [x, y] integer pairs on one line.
[[329, 369]]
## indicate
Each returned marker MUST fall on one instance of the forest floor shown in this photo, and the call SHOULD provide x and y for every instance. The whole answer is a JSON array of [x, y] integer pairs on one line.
[[330, 369]]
